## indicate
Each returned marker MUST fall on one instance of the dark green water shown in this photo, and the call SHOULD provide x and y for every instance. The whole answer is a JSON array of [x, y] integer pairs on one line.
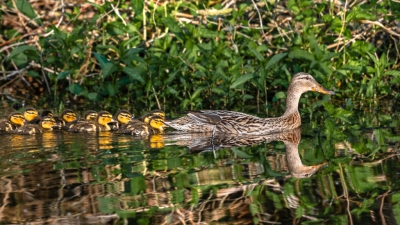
[[335, 173]]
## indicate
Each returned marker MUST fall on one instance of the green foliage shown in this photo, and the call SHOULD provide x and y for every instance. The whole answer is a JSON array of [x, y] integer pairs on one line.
[[150, 57]]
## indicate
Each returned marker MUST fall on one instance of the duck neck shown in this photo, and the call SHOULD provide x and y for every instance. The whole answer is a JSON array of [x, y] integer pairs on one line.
[[292, 102]]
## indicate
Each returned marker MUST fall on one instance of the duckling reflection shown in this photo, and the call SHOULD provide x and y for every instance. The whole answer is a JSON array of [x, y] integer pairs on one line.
[[201, 141], [156, 141]]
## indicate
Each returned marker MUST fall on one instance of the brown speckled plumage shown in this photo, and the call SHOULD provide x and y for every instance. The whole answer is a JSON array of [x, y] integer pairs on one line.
[[222, 121]]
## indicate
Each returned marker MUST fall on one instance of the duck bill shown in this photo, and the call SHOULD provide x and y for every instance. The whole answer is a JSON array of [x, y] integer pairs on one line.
[[322, 90]]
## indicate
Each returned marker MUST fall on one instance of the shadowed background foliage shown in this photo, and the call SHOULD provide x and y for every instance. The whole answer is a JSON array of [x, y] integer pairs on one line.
[[187, 55]]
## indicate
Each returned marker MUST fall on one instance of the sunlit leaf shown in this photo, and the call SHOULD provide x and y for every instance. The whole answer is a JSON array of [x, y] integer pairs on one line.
[[242, 79], [21, 49], [25, 7], [275, 60], [258, 55], [241, 154], [301, 54]]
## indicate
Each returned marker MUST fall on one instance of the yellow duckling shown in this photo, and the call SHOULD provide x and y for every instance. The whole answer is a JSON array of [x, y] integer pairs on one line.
[[140, 128], [90, 115], [13, 121], [66, 119], [31, 115], [146, 118], [45, 125], [123, 117], [101, 125]]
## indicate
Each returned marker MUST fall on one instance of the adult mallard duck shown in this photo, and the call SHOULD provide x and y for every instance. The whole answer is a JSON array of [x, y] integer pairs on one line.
[[155, 125], [103, 118], [13, 121], [46, 124], [230, 122]]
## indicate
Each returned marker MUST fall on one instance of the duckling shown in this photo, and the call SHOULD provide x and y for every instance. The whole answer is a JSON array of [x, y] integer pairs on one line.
[[90, 115], [45, 125], [101, 125], [46, 113], [31, 115], [139, 128], [122, 117], [13, 121], [66, 119], [157, 112]]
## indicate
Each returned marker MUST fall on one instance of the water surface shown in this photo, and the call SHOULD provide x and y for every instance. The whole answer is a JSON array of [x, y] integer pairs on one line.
[[331, 174]]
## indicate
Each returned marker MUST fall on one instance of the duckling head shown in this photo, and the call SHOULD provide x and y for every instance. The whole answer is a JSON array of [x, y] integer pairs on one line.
[[30, 114], [303, 82], [104, 118], [90, 115], [46, 113], [17, 118], [48, 123], [68, 115], [156, 112], [157, 122], [124, 116]]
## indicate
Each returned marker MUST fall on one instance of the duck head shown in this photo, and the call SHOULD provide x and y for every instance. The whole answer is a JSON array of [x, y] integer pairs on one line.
[[90, 115], [48, 123], [124, 116], [68, 116], [30, 114], [303, 82], [17, 119], [157, 122]]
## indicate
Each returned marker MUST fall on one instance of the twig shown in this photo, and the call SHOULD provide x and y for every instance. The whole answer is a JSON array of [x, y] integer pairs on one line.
[[381, 26], [261, 23], [343, 25], [155, 94]]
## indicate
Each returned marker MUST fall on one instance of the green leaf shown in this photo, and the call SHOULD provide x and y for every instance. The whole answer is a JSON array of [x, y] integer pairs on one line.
[[133, 74], [172, 91], [92, 96], [257, 54], [243, 79], [275, 60], [107, 67], [241, 154], [63, 74], [112, 90], [301, 54], [207, 33], [197, 92], [138, 6], [280, 95], [173, 26], [21, 49], [394, 73], [25, 7], [75, 89]]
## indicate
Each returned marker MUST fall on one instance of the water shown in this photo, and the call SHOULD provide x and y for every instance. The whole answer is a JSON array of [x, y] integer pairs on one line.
[[339, 175]]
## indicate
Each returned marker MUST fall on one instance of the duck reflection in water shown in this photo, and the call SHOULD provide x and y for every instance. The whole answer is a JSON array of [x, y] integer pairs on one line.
[[197, 142]]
